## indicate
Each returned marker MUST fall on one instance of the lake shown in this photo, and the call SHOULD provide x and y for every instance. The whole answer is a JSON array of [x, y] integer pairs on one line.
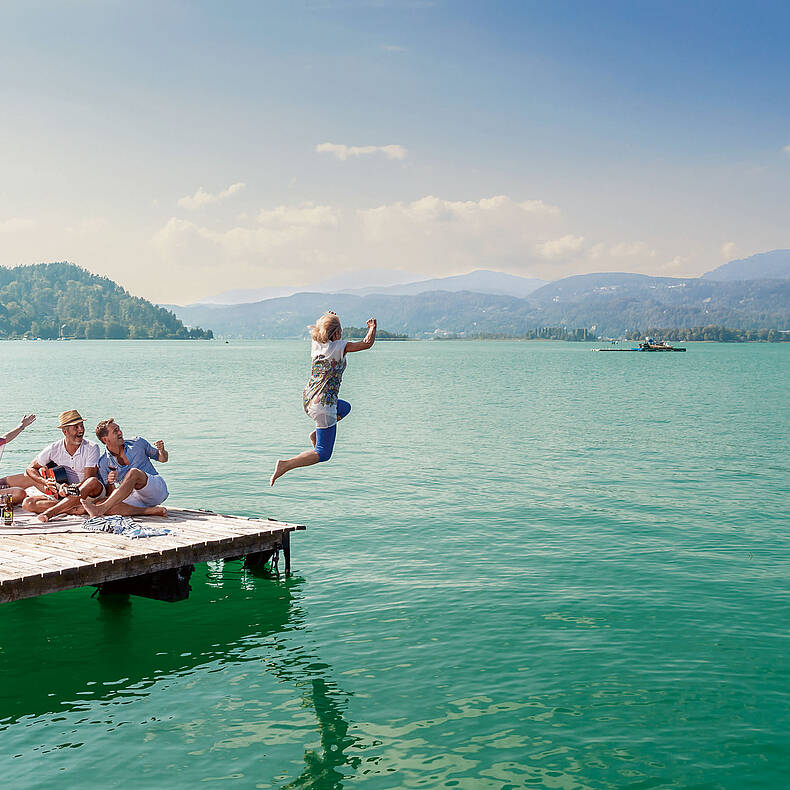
[[526, 565]]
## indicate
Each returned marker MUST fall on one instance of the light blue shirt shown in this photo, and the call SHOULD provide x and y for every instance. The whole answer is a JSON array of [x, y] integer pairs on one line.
[[138, 451]]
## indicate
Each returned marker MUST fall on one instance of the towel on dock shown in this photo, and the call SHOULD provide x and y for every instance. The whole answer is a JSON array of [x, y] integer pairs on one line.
[[123, 525]]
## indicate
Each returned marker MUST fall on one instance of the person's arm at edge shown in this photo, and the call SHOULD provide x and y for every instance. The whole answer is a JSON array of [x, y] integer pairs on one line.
[[363, 345], [11, 435]]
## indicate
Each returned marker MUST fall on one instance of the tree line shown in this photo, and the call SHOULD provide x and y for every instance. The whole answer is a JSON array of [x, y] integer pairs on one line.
[[359, 332], [720, 334], [51, 300]]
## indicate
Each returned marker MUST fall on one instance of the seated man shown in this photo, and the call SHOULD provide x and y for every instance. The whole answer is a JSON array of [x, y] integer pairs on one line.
[[141, 489], [78, 457], [15, 485]]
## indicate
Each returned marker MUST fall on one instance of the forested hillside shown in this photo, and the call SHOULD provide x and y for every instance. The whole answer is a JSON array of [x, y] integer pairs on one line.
[[40, 299]]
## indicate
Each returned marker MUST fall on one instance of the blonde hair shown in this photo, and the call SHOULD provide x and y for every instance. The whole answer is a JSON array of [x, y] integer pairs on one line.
[[324, 328]]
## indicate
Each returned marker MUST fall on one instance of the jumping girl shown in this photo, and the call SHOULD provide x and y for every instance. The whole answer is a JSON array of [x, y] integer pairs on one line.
[[328, 354]]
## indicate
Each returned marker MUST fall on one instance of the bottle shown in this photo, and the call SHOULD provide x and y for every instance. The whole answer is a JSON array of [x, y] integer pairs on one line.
[[8, 512]]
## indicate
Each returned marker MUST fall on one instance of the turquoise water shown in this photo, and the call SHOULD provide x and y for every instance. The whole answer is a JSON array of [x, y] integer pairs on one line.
[[527, 565]]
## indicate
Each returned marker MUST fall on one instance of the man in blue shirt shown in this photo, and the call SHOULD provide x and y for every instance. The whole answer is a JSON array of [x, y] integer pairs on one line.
[[134, 487]]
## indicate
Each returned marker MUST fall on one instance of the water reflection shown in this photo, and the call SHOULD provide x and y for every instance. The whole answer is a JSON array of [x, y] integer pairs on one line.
[[65, 652]]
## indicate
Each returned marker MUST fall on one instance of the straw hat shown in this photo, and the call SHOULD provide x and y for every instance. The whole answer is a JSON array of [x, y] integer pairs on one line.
[[70, 417]]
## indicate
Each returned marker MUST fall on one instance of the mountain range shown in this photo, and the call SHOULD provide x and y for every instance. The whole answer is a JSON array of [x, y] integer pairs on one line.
[[609, 303]]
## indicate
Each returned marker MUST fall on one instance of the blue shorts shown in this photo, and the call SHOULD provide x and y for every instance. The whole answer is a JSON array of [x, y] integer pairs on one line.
[[325, 437]]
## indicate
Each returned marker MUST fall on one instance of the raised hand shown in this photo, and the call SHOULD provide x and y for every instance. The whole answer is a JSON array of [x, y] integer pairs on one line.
[[160, 445], [28, 419], [371, 323]]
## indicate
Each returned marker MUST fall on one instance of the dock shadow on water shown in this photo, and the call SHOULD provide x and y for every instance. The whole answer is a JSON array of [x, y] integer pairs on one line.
[[86, 678]]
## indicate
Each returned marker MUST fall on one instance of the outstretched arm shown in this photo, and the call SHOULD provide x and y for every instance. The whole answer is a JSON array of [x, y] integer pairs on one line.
[[28, 419], [370, 339]]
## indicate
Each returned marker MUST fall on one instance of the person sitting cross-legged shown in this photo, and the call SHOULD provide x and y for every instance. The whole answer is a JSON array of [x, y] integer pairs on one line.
[[78, 458], [134, 486]]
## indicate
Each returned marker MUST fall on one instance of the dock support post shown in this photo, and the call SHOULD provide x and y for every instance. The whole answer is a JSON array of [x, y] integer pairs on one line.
[[258, 559], [286, 544]]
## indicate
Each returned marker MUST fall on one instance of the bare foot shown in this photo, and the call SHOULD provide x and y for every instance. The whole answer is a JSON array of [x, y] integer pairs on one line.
[[158, 510], [312, 438], [279, 471], [91, 508], [43, 518]]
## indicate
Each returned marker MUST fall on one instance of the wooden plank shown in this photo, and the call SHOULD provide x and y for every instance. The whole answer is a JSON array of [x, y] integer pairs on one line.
[[53, 554], [36, 564]]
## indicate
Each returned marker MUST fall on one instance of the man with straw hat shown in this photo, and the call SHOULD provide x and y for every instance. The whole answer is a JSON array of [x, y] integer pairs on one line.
[[80, 461]]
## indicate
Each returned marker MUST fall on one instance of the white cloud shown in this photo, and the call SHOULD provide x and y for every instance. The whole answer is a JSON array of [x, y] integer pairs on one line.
[[16, 224], [344, 152], [303, 242], [432, 209], [560, 248], [88, 227], [786, 149], [393, 48], [676, 267], [203, 198], [431, 234], [728, 249], [307, 214], [631, 249], [622, 249]]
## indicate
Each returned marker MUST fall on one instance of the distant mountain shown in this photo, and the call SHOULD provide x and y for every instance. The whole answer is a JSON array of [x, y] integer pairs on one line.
[[387, 281], [612, 302], [481, 281], [369, 278], [43, 299], [774, 265]]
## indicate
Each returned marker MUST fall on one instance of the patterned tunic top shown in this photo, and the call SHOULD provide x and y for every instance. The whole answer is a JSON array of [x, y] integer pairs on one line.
[[320, 395]]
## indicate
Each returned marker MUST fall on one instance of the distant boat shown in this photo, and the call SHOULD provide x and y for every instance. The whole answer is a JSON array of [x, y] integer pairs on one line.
[[648, 345], [651, 345]]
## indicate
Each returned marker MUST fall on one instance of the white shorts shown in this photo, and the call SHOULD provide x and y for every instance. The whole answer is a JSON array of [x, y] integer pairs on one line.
[[154, 493]]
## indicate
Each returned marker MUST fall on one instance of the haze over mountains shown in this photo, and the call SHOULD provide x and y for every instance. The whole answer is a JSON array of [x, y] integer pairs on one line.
[[774, 265], [385, 281], [610, 303]]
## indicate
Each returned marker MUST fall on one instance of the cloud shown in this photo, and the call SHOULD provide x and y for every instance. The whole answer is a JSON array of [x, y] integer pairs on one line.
[[344, 152], [302, 242], [622, 249], [728, 249], [16, 224], [88, 227], [202, 198], [786, 149], [286, 237], [392, 48], [675, 267], [307, 214], [432, 209], [560, 248]]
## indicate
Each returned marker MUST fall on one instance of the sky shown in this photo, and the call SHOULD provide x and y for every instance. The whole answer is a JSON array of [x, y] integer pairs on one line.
[[188, 148]]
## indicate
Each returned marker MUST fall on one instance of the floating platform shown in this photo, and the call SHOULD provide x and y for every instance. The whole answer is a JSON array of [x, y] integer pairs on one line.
[[644, 350], [36, 558]]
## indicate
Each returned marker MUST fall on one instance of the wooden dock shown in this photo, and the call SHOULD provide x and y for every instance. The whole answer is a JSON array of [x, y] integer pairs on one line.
[[36, 559]]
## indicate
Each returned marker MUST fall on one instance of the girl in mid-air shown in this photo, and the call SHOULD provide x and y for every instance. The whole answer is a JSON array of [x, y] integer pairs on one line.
[[328, 354]]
